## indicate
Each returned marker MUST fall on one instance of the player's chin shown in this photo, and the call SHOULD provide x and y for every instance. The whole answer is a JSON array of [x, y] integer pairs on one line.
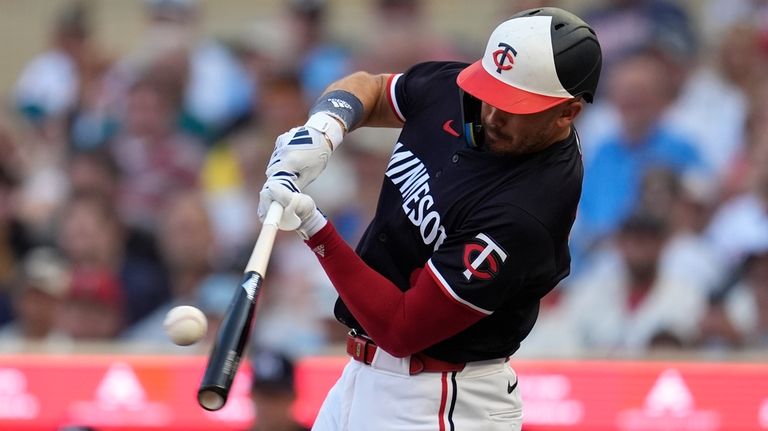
[[498, 144]]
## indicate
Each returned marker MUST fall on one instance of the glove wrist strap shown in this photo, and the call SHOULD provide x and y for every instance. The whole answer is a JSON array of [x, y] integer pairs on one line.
[[328, 125], [312, 225]]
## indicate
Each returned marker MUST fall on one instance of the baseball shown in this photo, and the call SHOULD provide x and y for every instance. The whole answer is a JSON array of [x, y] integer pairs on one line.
[[185, 325]]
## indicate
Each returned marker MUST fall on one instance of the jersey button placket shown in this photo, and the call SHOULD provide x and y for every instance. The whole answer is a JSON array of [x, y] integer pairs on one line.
[[383, 237], [455, 158]]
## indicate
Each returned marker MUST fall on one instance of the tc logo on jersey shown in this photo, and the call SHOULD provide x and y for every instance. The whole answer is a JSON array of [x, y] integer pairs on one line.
[[504, 58], [483, 258]]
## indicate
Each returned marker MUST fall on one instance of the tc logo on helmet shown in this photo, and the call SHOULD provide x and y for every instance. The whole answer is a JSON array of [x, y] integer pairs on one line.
[[504, 58], [483, 258]]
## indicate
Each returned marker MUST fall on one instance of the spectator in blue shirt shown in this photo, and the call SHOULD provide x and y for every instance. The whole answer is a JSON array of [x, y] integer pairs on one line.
[[639, 90]]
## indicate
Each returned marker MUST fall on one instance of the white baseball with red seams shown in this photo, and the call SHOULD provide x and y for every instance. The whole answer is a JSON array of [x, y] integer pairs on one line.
[[185, 325]]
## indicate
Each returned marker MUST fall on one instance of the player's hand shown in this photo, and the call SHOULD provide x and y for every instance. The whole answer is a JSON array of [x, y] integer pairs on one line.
[[285, 180], [299, 210], [303, 152]]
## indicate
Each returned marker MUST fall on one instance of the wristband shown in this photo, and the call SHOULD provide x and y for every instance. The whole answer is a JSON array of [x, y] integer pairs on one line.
[[342, 105]]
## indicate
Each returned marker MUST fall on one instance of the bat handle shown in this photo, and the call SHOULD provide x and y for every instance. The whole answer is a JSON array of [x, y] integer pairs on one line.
[[261, 251]]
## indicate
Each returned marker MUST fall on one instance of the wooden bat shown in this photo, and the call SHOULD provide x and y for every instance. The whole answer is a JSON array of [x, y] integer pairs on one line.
[[235, 330]]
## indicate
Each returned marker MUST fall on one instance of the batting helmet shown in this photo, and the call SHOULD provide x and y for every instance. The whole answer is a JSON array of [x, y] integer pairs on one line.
[[535, 60]]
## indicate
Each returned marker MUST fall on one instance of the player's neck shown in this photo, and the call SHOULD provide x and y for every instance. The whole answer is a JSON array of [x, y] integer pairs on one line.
[[559, 136], [563, 135]]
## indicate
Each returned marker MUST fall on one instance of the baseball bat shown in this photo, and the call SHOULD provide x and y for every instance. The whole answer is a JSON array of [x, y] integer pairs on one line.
[[234, 332]]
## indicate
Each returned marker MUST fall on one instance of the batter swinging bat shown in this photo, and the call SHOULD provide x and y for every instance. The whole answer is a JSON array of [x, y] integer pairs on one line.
[[235, 328]]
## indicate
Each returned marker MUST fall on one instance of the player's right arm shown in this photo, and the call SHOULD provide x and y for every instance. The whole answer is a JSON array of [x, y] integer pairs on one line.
[[374, 93], [301, 154]]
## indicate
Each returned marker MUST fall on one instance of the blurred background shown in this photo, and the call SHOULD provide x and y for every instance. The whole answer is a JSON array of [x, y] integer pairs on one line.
[[134, 136]]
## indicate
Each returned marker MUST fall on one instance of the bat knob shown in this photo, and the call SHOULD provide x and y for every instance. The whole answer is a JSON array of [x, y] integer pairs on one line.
[[210, 399]]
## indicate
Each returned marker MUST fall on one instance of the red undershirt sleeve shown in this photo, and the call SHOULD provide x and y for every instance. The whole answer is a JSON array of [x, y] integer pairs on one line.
[[401, 323]]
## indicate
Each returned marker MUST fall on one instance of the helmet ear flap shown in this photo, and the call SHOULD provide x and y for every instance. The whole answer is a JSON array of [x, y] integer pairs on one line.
[[470, 112]]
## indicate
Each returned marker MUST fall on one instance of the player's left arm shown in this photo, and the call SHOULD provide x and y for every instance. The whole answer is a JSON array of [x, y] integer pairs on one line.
[[401, 323], [465, 280], [469, 276]]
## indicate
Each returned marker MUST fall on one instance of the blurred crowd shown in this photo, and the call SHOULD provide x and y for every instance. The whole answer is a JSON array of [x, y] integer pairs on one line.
[[128, 183]]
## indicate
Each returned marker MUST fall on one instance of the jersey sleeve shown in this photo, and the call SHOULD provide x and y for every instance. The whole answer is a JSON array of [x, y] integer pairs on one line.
[[420, 86], [400, 322], [492, 256]]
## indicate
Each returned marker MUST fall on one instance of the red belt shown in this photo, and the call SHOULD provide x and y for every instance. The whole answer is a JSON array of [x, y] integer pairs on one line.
[[363, 349]]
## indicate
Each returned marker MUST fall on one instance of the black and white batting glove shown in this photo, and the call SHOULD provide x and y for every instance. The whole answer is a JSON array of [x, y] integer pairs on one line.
[[299, 210], [304, 151], [278, 179]]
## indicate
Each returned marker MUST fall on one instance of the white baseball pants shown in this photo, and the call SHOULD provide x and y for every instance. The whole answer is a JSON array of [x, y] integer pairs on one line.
[[384, 396]]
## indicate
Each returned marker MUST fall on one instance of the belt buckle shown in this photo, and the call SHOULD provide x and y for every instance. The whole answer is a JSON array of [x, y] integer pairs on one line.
[[361, 345]]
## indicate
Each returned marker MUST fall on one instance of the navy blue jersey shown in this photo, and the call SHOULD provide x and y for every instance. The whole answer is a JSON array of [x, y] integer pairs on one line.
[[492, 229]]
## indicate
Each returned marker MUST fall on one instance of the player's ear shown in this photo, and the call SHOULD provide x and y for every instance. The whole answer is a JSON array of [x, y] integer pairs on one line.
[[569, 111]]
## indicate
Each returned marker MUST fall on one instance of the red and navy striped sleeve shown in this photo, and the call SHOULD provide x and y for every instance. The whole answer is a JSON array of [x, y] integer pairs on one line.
[[419, 87]]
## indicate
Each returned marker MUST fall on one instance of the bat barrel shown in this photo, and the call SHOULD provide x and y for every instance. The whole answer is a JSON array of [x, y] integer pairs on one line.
[[212, 398], [230, 344], [235, 330]]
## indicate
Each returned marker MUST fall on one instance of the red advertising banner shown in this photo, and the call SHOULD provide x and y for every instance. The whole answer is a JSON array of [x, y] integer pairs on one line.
[[114, 393], [611, 395], [158, 393], [649, 396]]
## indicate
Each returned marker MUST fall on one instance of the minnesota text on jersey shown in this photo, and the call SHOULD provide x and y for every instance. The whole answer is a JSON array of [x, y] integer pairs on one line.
[[409, 174]]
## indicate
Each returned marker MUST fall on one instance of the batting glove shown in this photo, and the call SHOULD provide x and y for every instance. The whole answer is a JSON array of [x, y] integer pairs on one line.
[[299, 210], [304, 151]]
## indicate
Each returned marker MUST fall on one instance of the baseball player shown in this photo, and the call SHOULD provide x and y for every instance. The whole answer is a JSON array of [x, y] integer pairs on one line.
[[471, 228]]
